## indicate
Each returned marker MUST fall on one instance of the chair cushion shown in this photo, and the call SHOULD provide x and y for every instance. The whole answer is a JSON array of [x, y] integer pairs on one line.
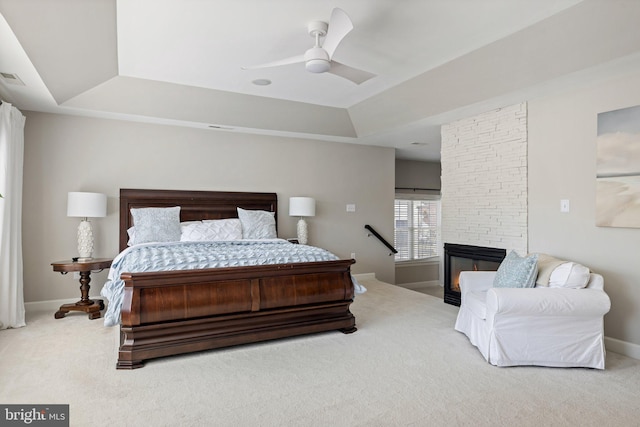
[[516, 271], [476, 303]]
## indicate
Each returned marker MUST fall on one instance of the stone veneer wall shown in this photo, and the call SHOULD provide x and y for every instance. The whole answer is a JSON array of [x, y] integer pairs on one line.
[[484, 180]]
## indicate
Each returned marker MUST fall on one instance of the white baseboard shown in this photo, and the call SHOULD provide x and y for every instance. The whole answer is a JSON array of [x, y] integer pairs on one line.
[[622, 347], [365, 276], [52, 305]]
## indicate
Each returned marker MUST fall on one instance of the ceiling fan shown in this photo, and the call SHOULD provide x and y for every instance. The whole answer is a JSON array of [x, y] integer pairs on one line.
[[319, 59]]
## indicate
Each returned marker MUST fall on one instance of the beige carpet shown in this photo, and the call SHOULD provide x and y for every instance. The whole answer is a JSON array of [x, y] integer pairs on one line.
[[405, 366]]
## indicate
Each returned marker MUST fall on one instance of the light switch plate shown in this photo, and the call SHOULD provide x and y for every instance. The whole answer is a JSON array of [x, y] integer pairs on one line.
[[564, 205]]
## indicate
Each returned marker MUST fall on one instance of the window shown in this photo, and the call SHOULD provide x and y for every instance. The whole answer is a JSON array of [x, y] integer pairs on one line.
[[417, 228]]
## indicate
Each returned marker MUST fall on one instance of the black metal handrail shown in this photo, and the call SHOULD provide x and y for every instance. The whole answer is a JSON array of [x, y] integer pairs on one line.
[[382, 239]]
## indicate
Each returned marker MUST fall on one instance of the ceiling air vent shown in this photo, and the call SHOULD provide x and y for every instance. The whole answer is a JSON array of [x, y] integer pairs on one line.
[[11, 79]]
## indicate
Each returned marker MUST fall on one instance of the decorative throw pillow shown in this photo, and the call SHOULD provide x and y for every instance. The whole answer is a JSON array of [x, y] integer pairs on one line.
[[225, 229], [211, 230], [516, 271], [546, 265], [156, 224], [570, 275], [257, 224], [131, 231]]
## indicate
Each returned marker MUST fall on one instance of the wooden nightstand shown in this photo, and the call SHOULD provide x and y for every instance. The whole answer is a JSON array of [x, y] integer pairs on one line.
[[92, 307]]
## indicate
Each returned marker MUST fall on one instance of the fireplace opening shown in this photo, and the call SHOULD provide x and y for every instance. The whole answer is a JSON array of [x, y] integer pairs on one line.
[[458, 258]]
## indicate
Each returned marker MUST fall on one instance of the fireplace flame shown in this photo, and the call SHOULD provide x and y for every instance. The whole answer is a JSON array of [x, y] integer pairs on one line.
[[460, 258]]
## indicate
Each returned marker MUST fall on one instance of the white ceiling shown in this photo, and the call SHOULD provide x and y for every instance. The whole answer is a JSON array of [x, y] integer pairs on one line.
[[205, 44], [179, 62]]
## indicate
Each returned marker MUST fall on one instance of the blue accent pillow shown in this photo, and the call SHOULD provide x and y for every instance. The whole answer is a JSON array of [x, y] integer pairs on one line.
[[517, 272]]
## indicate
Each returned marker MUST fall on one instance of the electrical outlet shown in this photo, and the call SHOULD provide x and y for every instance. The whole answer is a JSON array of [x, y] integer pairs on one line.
[[353, 255], [76, 275], [351, 207]]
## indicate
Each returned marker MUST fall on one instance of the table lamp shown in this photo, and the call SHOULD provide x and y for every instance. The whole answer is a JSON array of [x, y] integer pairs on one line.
[[302, 207], [86, 205]]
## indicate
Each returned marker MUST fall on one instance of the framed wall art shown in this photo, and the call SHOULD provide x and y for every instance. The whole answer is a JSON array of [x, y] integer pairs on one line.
[[618, 168]]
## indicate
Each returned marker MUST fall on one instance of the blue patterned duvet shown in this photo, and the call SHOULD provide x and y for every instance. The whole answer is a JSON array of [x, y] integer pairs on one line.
[[196, 255]]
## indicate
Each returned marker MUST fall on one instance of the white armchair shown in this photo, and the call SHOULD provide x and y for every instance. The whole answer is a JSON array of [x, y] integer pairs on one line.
[[534, 326]]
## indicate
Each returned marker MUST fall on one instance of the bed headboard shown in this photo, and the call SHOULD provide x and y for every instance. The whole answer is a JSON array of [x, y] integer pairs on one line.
[[194, 205]]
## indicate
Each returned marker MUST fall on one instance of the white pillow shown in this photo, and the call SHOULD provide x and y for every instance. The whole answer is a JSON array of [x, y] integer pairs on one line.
[[156, 224], [257, 224], [226, 229], [569, 275], [208, 230], [131, 232]]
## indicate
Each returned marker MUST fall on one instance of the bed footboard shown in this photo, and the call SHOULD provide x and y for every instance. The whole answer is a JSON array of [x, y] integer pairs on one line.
[[169, 313]]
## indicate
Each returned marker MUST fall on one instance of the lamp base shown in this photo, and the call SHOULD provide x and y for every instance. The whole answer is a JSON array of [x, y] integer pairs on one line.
[[302, 230], [85, 240]]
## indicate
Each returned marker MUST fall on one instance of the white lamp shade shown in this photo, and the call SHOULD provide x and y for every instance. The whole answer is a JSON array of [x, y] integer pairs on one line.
[[87, 205], [302, 206]]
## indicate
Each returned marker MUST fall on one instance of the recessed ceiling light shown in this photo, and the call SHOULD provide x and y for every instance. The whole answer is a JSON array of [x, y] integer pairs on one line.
[[261, 82]]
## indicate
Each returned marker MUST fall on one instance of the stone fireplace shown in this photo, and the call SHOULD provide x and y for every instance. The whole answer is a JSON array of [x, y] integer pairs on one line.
[[484, 192], [458, 258]]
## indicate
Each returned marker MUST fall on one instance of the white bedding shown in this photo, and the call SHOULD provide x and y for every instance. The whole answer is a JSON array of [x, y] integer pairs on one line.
[[203, 254]]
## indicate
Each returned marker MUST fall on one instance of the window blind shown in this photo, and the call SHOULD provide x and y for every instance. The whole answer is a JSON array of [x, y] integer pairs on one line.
[[416, 229]]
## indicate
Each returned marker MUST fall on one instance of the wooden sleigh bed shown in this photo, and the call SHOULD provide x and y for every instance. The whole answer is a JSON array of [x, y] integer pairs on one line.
[[174, 312]]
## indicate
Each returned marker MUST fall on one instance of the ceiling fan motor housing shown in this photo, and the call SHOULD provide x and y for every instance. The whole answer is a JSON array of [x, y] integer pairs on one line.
[[317, 28], [317, 60]]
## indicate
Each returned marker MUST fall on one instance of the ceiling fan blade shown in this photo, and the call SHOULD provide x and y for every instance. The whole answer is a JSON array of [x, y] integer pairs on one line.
[[339, 26], [286, 61], [355, 75]]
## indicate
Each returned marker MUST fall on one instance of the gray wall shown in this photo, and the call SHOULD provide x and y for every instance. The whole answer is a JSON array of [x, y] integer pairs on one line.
[[68, 153], [417, 273], [417, 174], [562, 165]]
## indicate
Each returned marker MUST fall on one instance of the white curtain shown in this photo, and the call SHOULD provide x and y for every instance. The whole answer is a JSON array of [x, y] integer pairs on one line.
[[11, 163]]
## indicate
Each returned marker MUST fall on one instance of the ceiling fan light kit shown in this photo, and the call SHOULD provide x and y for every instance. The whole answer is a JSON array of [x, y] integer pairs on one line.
[[319, 59], [316, 60]]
